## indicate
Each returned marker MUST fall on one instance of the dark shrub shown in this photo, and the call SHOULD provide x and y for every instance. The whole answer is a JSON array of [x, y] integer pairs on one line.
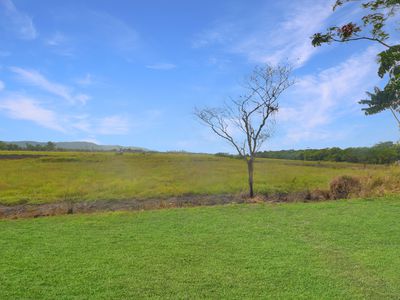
[[343, 186]]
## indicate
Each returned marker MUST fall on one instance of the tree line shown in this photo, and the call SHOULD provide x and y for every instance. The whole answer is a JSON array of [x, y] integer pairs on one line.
[[381, 153], [49, 146]]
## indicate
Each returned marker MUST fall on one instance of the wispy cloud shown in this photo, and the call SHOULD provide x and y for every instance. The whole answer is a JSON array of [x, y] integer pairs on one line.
[[113, 125], [108, 125], [25, 108], [90, 139], [57, 39], [161, 66], [18, 21], [82, 123], [221, 33], [116, 32], [17, 105], [289, 39], [21, 107], [35, 78], [220, 62], [2, 85], [82, 98], [85, 80], [60, 44], [319, 100], [264, 41]]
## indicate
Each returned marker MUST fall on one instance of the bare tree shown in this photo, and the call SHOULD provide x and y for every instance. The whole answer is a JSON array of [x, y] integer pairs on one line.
[[246, 122]]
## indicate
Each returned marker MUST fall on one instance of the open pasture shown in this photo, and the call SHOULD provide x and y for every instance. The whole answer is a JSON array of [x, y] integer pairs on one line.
[[43, 177]]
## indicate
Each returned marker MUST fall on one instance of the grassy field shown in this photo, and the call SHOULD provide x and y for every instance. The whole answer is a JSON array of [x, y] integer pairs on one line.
[[345, 249], [106, 176]]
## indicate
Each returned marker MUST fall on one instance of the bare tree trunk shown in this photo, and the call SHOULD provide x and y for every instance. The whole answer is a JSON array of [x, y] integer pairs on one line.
[[251, 171], [250, 113]]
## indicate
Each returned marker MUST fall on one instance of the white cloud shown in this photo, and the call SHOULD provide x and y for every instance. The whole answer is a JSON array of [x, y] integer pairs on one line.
[[161, 66], [82, 98], [2, 85], [86, 80], [60, 44], [219, 62], [56, 40], [36, 79], [121, 124], [113, 125], [90, 139], [21, 107], [25, 108], [264, 40], [82, 123], [222, 33], [19, 22], [108, 125], [117, 33], [289, 39], [321, 99]]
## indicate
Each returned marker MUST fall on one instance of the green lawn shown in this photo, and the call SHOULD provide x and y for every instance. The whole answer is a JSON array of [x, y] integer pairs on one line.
[[81, 176], [336, 249]]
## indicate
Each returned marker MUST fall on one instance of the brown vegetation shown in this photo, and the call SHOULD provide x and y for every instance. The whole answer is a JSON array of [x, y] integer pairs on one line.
[[343, 186]]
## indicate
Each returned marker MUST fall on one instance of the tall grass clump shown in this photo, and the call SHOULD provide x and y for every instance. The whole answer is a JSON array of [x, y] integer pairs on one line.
[[343, 186]]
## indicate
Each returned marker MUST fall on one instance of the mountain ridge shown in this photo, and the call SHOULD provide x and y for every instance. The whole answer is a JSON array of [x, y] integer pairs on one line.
[[78, 145]]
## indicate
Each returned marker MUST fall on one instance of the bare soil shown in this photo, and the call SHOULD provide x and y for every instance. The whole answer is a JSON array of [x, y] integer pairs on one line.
[[20, 156], [63, 208]]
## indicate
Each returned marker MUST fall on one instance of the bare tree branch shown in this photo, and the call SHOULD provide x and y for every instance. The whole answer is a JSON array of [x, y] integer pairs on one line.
[[216, 120], [251, 114], [362, 38]]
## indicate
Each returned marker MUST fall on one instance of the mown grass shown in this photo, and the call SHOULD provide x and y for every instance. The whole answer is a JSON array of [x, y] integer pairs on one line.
[[77, 176], [329, 250]]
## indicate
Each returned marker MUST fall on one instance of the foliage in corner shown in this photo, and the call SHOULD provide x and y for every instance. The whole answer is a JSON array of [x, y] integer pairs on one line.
[[372, 28]]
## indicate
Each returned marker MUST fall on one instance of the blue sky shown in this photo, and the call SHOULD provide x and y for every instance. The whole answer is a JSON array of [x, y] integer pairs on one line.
[[131, 72]]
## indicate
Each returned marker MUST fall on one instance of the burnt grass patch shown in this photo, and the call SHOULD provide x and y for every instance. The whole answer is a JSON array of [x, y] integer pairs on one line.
[[69, 207], [21, 156]]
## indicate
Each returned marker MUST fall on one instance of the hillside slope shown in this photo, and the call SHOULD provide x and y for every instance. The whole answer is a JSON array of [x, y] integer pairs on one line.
[[78, 146]]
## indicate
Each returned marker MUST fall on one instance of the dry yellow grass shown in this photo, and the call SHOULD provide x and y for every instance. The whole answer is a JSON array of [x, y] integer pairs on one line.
[[78, 176]]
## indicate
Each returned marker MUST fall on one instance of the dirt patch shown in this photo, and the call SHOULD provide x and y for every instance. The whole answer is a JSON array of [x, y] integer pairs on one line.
[[63, 208], [20, 156], [303, 196]]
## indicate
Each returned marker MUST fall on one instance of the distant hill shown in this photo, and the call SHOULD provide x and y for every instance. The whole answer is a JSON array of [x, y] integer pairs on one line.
[[88, 146]]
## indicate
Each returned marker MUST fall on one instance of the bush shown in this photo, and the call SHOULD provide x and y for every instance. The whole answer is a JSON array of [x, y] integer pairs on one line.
[[343, 186]]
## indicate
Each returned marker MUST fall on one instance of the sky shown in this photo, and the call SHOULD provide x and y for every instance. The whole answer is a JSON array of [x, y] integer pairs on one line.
[[132, 72]]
